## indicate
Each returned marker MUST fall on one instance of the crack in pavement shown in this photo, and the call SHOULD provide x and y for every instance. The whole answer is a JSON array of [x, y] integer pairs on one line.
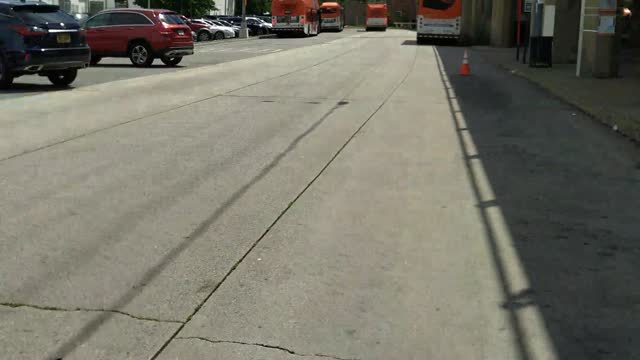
[[275, 347], [53, 308]]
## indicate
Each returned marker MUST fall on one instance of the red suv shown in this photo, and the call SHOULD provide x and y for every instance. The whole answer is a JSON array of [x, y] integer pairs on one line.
[[139, 34]]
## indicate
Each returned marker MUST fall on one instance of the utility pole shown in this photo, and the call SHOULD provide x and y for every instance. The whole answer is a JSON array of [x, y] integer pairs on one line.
[[244, 33]]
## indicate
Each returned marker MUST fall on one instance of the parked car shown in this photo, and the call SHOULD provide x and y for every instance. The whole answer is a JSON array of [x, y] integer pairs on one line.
[[219, 32], [226, 23], [229, 28], [203, 31], [263, 18], [81, 17], [255, 26], [139, 34], [38, 38], [269, 25]]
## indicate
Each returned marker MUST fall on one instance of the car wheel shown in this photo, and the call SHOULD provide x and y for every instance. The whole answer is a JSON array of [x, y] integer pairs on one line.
[[218, 36], [6, 78], [95, 60], [204, 36], [63, 77], [140, 55], [171, 61]]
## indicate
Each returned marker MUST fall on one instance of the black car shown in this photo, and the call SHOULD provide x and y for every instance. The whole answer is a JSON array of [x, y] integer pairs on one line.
[[39, 38], [255, 27]]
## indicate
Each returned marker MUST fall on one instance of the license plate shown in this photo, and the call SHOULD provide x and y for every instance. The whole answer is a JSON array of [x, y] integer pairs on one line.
[[64, 38], [181, 32]]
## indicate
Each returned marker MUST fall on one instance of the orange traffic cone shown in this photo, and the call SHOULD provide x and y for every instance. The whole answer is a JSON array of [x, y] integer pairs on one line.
[[464, 69]]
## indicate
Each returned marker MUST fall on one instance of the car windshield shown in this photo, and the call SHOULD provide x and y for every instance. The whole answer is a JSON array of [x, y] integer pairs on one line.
[[42, 14], [171, 18]]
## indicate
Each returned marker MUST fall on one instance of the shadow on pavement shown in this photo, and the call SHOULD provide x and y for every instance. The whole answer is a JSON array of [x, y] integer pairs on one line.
[[130, 66], [89, 329], [433, 42], [25, 88], [569, 193]]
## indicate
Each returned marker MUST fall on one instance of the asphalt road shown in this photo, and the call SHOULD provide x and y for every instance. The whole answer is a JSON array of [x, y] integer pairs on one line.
[[353, 199], [207, 53]]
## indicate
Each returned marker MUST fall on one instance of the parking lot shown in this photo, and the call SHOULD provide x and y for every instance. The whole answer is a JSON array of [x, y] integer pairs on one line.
[[207, 53]]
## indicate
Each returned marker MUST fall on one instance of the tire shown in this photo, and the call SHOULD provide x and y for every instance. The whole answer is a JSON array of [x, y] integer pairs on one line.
[[140, 54], [171, 61], [218, 36], [95, 60], [6, 78], [204, 35], [63, 78]]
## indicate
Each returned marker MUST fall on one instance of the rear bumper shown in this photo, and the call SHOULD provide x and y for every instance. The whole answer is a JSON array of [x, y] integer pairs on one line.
[[437, 36], [37, 60], [330, 25], [178, 51], [287, 29]]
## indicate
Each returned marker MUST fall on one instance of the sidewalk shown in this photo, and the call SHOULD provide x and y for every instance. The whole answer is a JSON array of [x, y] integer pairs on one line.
[[612, 101]]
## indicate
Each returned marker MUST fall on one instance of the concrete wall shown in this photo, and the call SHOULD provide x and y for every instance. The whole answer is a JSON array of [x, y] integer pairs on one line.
[[565, 45], [355, 12], [599, 53], [402, 10], [479, 26], [502, 23]]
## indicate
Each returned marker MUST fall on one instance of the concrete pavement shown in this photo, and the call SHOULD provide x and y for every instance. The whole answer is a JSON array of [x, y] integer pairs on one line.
[[612, 101], [352, 200], [206, 53]]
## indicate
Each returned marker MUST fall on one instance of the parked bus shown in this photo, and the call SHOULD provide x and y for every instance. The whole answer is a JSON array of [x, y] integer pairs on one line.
[[376, 16], [331, 16], [439, 19], [295, 17]]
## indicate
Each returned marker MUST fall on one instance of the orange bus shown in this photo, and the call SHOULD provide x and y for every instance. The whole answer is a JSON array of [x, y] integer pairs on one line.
[[331, 16], [376, 16], [439, 19], [295, 17]]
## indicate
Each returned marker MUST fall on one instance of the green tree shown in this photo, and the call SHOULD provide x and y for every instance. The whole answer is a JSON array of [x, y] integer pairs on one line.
[[254, 7], [189, 8]]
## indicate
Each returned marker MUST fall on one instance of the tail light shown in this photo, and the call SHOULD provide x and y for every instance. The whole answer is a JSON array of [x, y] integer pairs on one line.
[[25, 30]]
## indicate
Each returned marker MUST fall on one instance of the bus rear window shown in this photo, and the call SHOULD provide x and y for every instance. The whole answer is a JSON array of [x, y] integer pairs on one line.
[[328, 11], [438, 4]]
